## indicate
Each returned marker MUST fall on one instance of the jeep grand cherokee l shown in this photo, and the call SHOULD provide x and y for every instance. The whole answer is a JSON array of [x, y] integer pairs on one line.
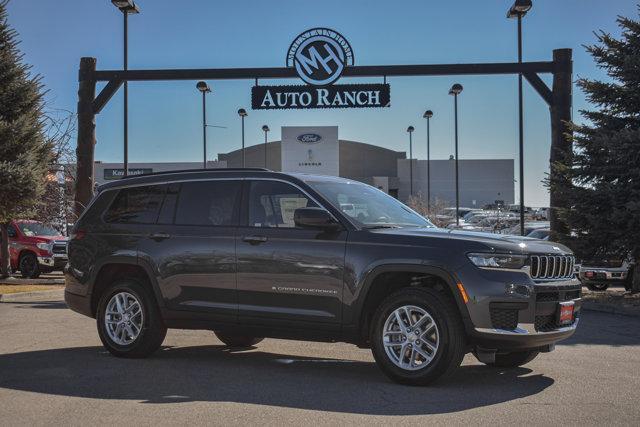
[[250, 253]]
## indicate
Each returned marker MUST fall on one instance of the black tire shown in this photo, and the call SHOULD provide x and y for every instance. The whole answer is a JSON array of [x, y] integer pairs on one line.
[[514, 359], [237, 341], [153, 330], [29, 267], [451, 346], [598, 287]]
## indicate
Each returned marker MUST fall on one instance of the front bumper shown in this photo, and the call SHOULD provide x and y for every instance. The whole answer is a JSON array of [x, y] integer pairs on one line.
[[603, 275], [525, 319], [54, 262]]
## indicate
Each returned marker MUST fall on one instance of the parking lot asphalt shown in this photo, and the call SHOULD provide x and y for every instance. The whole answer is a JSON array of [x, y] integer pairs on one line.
[[53, 370]]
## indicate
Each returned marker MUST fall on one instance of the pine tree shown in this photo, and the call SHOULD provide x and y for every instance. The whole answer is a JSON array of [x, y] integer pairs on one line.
[[605, 174], [24, 151]]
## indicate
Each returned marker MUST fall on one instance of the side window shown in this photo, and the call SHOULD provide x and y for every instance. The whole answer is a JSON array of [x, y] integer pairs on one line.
[[11, 231], [272, 203], [136, 205], [208, 203]]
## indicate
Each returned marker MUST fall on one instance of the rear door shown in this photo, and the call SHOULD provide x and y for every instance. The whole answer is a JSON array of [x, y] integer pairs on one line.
[[286, 274], [192, 247]]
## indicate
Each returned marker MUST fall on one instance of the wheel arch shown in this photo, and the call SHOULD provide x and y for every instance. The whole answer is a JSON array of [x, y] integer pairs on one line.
[[117, 268], [385, 279]]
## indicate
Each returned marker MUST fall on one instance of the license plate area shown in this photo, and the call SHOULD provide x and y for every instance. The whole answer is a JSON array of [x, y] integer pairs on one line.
[[565, 313]]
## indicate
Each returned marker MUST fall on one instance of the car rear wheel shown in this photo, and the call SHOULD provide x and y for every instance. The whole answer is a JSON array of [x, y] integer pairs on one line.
[[29, 267], [598, 287], [417, 336], [128, 320], [514, 359], [235, 340]]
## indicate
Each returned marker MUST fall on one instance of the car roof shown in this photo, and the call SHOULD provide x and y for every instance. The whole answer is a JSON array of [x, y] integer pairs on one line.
[[190, 174]]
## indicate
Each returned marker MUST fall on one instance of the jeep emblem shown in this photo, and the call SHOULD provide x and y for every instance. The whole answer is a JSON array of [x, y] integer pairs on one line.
[[309, 138], [319, 56]]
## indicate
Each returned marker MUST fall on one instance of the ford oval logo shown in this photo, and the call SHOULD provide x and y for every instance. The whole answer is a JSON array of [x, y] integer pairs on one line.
[[309, 138]]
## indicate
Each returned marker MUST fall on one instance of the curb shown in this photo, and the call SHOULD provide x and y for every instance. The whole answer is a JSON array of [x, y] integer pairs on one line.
[[32, 282], [611, 309], [19, 296]]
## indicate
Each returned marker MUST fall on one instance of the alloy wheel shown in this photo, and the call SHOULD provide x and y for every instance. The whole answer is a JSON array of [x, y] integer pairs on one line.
[[410, 337], [123, 318]]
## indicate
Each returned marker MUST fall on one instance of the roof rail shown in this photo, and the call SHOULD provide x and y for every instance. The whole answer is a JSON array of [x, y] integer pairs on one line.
[[197, 170]]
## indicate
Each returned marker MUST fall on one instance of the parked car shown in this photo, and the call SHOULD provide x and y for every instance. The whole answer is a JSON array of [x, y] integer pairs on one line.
[[528, 227], [36, 248], [540, 233], [250, 253], [600, 273]]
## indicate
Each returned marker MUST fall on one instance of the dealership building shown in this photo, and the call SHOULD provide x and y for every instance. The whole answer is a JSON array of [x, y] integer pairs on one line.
[[318, 150]]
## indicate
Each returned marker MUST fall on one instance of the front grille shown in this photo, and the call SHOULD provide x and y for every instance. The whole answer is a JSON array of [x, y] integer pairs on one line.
[[504, 318], [557, 296], [59, 248], [551, 267], [546, 323]]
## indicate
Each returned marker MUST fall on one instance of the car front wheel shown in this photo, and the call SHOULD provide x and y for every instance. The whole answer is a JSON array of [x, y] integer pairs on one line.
[[29, 267], [128, 320], [417, 336]]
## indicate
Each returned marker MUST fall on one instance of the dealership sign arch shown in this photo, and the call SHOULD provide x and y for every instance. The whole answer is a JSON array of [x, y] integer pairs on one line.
[[320, 57]]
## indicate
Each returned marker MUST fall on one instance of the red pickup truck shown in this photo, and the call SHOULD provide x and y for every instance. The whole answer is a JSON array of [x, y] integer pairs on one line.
[[36, 248]]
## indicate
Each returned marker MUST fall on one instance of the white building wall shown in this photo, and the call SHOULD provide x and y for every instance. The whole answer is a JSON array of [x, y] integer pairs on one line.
[[302, 155]]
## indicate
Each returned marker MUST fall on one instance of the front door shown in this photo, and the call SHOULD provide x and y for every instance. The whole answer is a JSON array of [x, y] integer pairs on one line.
[[286, 273]]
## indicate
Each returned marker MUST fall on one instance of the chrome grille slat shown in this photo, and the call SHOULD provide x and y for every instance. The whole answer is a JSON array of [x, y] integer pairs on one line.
[[551, 267]]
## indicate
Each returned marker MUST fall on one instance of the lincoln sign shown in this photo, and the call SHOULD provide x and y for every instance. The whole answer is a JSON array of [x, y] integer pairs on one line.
[[319, 56]]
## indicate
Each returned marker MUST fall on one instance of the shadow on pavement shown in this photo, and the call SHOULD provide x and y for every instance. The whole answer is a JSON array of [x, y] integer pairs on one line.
[[39, 304], [605, 329], [217, 374]]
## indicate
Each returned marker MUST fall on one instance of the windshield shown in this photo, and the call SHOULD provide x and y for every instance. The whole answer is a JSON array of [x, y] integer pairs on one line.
[[368, 206], [31, 229]]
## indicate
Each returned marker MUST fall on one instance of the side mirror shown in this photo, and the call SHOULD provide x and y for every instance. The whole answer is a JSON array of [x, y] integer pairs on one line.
[[318, 218]]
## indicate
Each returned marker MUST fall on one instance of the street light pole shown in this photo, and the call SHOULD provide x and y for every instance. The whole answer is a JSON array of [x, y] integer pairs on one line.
[[204, 88], [126, 7], [266, 129], [242, 113], [427, 115], [455, 91], [410, 130], [518, 10]]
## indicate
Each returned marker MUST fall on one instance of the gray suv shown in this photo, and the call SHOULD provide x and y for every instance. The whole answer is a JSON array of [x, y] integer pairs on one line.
[[250, 253]]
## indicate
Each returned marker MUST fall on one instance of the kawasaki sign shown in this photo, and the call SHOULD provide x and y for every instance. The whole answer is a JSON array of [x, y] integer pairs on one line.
[[319, 56]]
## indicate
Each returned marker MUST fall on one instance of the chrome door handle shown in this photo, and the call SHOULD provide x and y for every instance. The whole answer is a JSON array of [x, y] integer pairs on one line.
[[254, 240]]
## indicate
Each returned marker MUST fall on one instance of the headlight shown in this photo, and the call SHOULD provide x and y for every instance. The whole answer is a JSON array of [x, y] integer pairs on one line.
[[44, 246], [498, 260]]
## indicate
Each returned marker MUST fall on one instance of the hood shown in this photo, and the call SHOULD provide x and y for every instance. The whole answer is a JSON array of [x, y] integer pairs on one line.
[[493, 242]]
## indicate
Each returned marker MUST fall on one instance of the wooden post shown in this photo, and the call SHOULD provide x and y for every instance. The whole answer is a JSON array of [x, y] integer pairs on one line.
[[561, 139], [86, 134]]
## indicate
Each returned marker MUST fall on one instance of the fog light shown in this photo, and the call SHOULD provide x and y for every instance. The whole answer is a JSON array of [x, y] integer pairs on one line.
[[518, 290]]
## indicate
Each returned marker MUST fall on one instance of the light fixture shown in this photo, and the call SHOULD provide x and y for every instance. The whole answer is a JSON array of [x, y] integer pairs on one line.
[[519, 8], [455, 89], [427, 114], [126, 6], [410, 129], [265, 128], [203, 87], [242, 112]]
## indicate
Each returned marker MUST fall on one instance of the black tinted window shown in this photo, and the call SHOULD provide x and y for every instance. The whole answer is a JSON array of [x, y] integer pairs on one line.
[[208, 203], [136, 205], [272, 203]]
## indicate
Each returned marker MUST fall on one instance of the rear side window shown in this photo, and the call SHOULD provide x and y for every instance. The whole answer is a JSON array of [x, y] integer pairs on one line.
[[136, 205], [208, 203]]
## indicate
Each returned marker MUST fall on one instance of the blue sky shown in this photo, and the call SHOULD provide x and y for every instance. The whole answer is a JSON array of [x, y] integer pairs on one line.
[[165, 117]]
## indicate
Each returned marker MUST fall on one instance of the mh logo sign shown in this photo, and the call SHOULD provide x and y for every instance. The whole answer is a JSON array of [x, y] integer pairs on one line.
[[319, 56]]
